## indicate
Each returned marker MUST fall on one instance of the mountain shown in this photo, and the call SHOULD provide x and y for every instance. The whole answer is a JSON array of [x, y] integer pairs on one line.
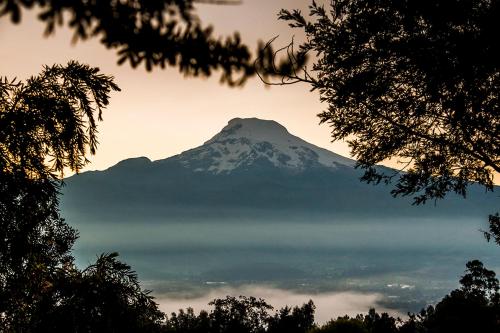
[[252, 168]]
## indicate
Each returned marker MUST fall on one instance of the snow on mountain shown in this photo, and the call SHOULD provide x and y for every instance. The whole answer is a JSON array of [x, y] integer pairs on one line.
[[245, 141]]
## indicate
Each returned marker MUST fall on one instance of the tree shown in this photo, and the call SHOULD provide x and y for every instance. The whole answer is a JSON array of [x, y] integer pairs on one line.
[[104, 297], [479, 282], [188, 322], [296, 320], [50, 118], [416, 81], [379, 323], [48, 126], [242, 315], [373, 322], [35, 244], [475, 307], [153, 33], [343, 325]]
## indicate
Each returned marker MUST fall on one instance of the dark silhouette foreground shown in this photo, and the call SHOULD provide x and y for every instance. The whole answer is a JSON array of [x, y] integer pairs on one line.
[[474, 307], [48, 125]]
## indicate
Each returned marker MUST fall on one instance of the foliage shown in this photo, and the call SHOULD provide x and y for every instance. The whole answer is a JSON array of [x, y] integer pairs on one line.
[[494, 229], [416, 81], [153, 33], [49, 118], [49, 126], [243, 315], [104, 297], [49, 122], [475, 307], [35, 243], [379, 323], [479, 282], [343, 325], [188, 322], [373, 322], [296, 320]]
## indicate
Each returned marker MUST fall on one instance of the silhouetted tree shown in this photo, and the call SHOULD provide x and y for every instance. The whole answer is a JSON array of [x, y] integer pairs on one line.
[[104, 297], [153, 33], [48, 123], [35, 243], [243, 314], [416, 81], [239, 315], [343, 325], [296, 320], [379, 323], [475, 307], [413, 324], [188, 322], [48, 126], [480, 282], [373, 322]]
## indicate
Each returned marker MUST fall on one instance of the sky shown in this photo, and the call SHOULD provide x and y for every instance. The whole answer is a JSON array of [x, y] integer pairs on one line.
[[159, 114]]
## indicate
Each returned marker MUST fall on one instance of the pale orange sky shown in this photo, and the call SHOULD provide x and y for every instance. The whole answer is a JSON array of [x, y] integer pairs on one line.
[[161, 114]]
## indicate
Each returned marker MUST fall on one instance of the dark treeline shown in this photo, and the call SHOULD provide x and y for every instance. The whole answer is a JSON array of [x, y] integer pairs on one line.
[[100, 304], [474, 307]]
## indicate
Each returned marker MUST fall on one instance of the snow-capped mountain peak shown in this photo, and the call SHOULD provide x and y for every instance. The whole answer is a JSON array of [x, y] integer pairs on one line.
[[245, 141]]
